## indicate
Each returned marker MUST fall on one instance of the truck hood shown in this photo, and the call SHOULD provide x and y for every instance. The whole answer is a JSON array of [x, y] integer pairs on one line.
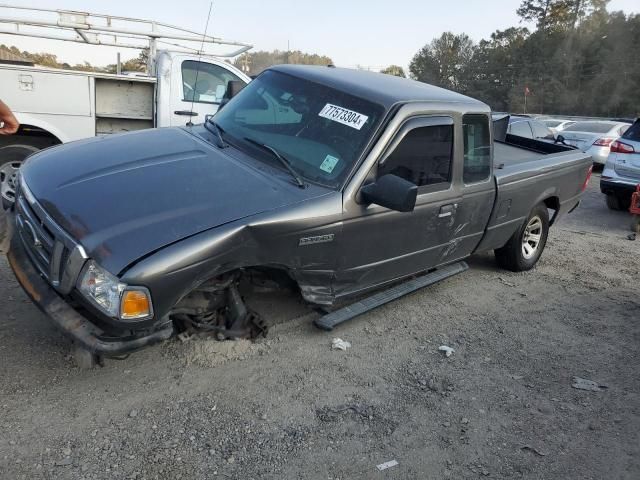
[[125, 196]]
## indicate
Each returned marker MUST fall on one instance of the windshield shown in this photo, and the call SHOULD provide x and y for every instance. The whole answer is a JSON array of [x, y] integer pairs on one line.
[[320, 131], [592, 127], [552, 123]]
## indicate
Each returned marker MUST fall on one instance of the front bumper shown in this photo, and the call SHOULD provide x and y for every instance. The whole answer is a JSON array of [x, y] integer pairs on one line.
[[76, 326]]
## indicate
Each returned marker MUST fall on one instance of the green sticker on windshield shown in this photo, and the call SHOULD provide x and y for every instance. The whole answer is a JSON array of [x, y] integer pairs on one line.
[[329, 164]]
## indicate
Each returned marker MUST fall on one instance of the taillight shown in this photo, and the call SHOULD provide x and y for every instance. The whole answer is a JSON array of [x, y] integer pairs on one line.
[[586, 180], [603, 142], [619, 147]]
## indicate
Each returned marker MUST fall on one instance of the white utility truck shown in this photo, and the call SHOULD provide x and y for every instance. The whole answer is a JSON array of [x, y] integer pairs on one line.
[[53, 106]]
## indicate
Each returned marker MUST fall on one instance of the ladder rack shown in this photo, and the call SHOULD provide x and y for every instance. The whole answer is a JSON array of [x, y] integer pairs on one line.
[[109, 30]]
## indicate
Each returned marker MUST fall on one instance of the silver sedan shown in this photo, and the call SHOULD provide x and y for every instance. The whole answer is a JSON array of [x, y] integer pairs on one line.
[[594, 137]]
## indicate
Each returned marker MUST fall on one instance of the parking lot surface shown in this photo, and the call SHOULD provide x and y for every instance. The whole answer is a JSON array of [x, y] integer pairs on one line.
[[501, 406]]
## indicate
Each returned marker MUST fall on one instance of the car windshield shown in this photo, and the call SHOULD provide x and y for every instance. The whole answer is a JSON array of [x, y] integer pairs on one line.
[[320, 131], [592, 127], [552, 123]]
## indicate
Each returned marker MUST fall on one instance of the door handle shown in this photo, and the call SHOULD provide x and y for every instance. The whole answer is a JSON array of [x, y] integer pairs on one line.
[[447, 210], [186, 113]]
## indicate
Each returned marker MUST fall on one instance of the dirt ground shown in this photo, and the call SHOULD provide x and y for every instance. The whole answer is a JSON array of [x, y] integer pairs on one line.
[[288, 407]]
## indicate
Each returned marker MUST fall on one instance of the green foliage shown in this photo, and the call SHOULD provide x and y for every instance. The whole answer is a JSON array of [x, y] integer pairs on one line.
[[395, 70], [253, 63], [581, 60], [445, 61]]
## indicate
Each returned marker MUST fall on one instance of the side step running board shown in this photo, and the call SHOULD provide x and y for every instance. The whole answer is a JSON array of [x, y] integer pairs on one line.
[[333, 319]]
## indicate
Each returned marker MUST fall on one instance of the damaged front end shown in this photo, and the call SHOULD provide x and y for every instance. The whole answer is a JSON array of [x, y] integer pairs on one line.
[[216, 308]]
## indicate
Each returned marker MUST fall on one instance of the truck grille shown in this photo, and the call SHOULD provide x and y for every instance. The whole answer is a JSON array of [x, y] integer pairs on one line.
[[46, 244]]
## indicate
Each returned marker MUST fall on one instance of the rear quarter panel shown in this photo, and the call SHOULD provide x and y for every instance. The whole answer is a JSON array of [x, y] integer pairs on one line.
[[557, 178]]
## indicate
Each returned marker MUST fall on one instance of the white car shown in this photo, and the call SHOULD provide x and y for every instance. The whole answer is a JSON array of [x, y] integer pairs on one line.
[[557, 124], [594, 137], [621, 173]]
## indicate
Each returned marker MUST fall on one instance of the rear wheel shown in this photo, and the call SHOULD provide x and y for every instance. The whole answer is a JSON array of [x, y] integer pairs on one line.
[[11, 158], [613, 202], [524, 248]]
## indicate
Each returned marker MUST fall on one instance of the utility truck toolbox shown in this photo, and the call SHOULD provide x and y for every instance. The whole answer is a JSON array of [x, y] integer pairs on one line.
[[336, 181]]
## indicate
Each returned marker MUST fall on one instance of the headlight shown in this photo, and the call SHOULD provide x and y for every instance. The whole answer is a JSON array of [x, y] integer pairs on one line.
[[113, 297]]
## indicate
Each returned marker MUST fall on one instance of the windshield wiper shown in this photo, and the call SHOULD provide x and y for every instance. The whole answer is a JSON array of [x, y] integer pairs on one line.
[[216, 130], [280, 158]]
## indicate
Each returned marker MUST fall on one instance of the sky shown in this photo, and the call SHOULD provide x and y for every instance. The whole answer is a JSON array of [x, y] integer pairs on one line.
[[367, 33]]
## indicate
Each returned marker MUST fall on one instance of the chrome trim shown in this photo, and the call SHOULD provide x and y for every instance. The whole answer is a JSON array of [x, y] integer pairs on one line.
[[73, 267], [46, 243]]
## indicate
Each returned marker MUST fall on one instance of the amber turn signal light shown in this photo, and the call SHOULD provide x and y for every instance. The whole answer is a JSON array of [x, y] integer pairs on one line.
[[135, 304]]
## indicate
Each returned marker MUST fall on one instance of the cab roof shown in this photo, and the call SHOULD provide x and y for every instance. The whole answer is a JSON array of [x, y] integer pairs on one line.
[[386, 90]]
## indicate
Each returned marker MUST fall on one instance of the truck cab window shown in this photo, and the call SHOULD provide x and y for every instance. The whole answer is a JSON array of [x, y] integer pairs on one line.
[[477, 148], [204, 82], [423, 156]]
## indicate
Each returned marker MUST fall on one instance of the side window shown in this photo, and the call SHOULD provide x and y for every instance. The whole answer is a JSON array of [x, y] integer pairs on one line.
[[541, 131], [521, 129], [204, 82], [423, 156], [477, 148]]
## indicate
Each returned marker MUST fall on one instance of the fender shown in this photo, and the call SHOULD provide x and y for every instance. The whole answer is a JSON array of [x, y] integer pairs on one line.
[[36, 120]]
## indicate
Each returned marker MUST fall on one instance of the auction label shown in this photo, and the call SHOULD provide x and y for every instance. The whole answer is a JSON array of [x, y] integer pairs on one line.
[[342, 115], [329, 164]]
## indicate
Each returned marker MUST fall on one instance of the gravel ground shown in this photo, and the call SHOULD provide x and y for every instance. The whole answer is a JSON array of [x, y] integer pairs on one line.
[[501, 406]]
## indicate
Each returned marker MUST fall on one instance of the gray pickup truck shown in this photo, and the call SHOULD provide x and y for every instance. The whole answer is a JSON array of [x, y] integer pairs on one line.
[[338, 182]]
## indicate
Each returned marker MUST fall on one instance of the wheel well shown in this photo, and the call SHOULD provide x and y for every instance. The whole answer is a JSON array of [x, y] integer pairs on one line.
[[30, 135], [552, 203]]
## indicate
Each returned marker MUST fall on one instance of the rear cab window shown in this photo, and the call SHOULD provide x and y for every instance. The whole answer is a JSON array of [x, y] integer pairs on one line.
[[477, 148]]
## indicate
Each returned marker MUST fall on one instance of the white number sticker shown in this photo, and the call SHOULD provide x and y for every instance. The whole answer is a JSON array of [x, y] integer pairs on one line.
[[342, 115]]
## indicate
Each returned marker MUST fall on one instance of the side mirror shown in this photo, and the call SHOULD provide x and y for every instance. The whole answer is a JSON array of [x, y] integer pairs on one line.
[[559, 139], [392, 192]]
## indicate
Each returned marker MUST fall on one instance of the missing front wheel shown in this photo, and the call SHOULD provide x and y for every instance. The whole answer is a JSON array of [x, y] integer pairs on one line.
[[217, 309]]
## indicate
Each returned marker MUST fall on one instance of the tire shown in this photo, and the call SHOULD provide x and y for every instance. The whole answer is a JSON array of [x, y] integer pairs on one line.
[[524, 248], [613, 202], [11, 158]]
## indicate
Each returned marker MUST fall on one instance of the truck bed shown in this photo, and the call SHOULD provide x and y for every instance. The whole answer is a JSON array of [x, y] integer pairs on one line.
[[526, 173]]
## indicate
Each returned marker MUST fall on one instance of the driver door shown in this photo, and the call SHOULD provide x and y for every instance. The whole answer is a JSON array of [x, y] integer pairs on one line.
[[197, 89], [379, 244]]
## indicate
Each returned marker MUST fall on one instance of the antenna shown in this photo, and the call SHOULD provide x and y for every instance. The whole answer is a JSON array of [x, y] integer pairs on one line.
[[195, 83]]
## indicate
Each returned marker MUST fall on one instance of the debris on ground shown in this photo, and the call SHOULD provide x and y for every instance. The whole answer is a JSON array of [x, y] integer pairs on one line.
[[589, 385], [330, 414], [339, 344], [631, 236], [208, 352], [508, 284], [538, 452], [385, 465], [447, 350]]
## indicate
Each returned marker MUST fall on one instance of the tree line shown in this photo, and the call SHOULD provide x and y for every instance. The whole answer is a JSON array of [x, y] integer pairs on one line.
[[579, 60]]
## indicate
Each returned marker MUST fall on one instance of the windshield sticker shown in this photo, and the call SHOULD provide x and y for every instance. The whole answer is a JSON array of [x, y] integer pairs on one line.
[[342, 115], [329, 164]]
